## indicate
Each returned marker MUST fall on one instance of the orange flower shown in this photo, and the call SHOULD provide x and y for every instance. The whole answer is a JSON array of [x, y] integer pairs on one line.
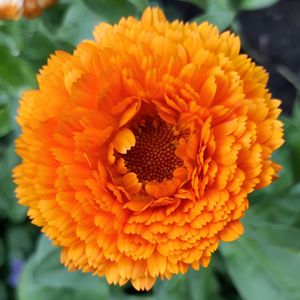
[[33, 8], [14, 9], [10, 9], [140, 149]]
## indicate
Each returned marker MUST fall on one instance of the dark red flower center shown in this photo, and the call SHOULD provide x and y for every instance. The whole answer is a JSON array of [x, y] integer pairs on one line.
[[153, 156]]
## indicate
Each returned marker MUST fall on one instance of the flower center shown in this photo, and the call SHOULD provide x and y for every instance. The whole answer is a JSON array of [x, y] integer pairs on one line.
[[153, 156]]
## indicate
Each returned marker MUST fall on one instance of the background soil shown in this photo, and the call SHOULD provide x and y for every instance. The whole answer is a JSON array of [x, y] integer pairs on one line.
[[273, 34]]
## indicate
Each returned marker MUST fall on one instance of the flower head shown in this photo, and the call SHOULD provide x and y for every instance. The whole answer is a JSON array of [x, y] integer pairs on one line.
[[14, 9], [10, 9], [140, 149]]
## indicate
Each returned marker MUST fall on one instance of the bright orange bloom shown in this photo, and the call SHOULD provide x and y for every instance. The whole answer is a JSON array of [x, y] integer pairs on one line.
[[14, 9], [10, 9], [140, 149], [33, 8]]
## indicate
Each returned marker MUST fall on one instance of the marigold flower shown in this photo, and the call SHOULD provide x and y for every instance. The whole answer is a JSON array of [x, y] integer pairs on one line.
[[14, 9], [10, 9], [140, 149]]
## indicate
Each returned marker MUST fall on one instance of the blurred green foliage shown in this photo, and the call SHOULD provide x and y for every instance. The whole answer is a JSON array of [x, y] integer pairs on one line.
[[264, 264], [45, 278]]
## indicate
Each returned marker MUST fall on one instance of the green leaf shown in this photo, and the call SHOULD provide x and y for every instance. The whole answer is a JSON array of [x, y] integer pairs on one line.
[[19, 241], [11, 36], [174, 289], [5, 123], [203, 284], [296, 112], [53, 16], [34, 41], [265, 262], [46, 46], [8, 203], [219, 12], [112, 10], [123, 293], [221, 19], [8, 41], [45, 278], [275, 234], [256, 4], [195, 285], [14, 70], [292, 136], [280, 208], [141, 5], [78, 24], [263, 271], [201, 3], [286, 179]]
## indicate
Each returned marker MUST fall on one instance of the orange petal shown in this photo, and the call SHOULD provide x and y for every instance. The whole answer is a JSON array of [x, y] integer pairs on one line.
[[131, 183], [208, 91], [152, 15], [156, 264], [121, 167], [163, 189], [163, 201], [124, 140], [130, 113], [110, 154], [232, 231], [100, 31], [144, 283], [138, 204]]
